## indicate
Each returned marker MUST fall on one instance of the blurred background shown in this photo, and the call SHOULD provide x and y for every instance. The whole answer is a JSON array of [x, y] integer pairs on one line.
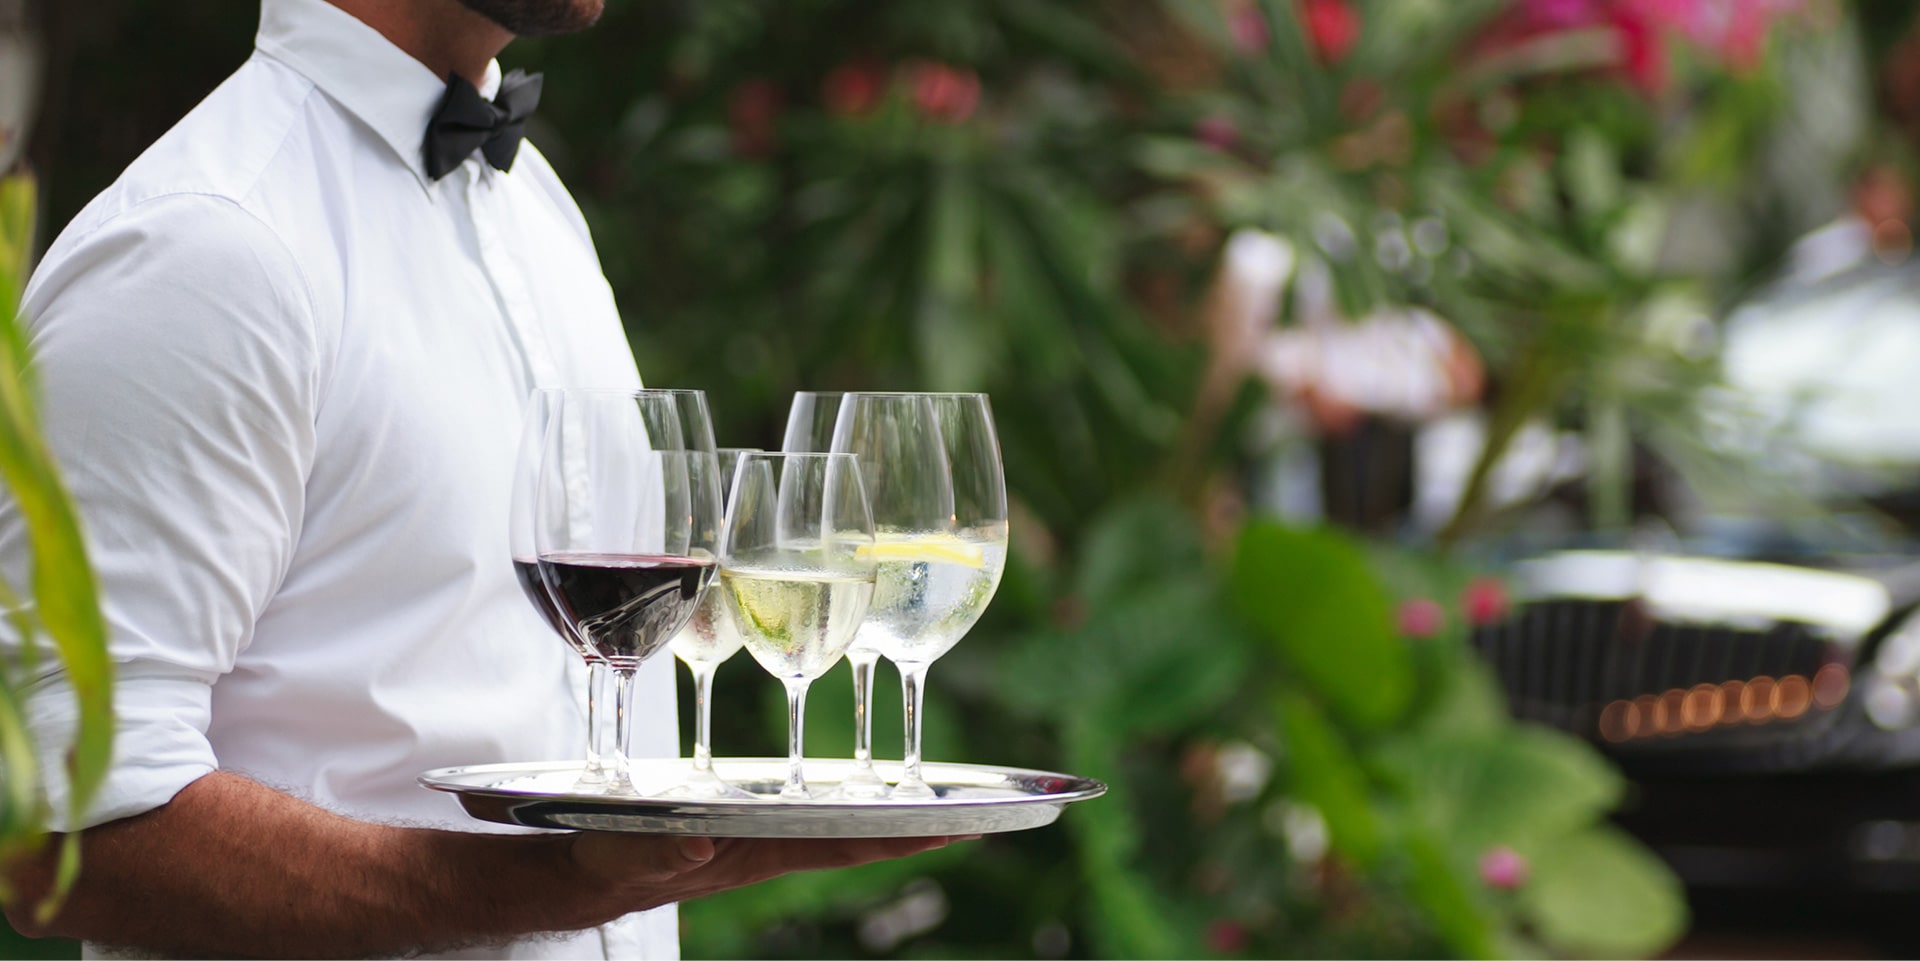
[[1466, 453]]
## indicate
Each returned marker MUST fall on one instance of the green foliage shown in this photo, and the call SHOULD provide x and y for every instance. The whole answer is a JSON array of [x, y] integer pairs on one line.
[[1049, 246], [765, 233], [1313, 596], [1598, 894], [1326, 774], [1423, 795], [65, 601]]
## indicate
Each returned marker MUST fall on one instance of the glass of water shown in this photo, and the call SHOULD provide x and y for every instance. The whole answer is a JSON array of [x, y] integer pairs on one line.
[[797, 572]]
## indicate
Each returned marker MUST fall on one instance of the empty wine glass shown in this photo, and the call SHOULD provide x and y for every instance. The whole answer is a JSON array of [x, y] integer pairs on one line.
[[626, 526], [696, 421], [932, 470], [669, 411], [707, 641], [796, 572]]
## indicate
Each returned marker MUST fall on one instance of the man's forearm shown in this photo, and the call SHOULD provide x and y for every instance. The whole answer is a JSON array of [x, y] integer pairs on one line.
[[230, 866]]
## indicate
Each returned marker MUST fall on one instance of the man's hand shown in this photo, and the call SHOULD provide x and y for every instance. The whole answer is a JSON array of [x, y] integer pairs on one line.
[[642, 871], [231, 867]]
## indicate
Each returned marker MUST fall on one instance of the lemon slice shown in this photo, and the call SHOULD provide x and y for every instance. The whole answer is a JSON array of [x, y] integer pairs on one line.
[[933, 549]]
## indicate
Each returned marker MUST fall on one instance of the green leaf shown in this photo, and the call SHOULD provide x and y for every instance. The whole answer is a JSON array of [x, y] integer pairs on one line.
[[1598, 893], [1323, 772], [1522, 785], [1593, 174], [1129, 917], [1313, 597], [22, 807], [955, 352], [65, 595], [1466, 698], [1133, 545], [1448, 901], [1154, 660]]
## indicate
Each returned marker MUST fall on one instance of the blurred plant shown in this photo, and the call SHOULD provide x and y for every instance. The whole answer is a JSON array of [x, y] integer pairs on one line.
[[1567, 181], [63, 601], [1029, 198]]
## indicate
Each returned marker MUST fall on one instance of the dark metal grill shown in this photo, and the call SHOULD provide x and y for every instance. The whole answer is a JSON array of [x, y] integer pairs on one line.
[[1675, 658]]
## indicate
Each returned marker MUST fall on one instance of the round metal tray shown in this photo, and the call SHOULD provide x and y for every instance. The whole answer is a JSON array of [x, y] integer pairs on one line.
[[972, 799]]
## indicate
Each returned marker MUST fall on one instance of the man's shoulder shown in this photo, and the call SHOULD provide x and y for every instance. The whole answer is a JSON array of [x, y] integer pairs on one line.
[[249, 131]]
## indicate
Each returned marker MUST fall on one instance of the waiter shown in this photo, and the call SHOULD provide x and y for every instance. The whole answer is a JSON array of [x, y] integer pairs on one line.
[[282, 361]]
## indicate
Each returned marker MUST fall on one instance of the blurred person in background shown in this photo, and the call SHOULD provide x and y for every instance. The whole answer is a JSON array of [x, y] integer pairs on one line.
[[283, 361]]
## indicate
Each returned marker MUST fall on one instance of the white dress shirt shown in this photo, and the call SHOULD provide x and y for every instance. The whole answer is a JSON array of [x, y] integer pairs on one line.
[[283, 371]]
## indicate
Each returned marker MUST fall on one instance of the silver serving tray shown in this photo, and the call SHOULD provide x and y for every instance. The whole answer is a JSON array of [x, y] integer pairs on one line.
[[972, 799]]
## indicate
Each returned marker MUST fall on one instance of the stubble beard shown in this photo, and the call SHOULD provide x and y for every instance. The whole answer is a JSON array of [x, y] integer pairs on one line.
[[538, 18]]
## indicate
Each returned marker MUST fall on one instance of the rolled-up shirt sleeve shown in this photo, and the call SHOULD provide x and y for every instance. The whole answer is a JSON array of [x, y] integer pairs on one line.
[[179, 378]]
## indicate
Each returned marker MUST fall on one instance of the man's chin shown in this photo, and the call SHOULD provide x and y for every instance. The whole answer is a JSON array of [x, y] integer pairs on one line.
[[539, 18]]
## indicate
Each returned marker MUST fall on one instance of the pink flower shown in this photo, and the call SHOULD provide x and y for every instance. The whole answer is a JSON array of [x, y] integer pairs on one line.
[[944, 93], [852, 89], [1484, 601], [1333, 27], [1560, 14], [1641, 48], [1247, 27], [1734, 30], [1643, 52], [1226, 935], [1217, 132], [1503, 868], [1421, 617]]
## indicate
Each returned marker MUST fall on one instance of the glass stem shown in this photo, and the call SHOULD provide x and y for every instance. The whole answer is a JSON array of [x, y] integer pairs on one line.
[[622, 773], [596, 730], [863, 661], [702, 715], [796, 786], [913, 684]]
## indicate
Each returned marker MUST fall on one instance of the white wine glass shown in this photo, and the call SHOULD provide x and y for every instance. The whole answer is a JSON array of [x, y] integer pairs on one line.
[[810, 428], [796, 573], [932, 470], [626, 530], [665, 409], [707, 641]]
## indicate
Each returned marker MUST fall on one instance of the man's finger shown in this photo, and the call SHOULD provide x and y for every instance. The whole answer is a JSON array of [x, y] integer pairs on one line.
[[640, 858]]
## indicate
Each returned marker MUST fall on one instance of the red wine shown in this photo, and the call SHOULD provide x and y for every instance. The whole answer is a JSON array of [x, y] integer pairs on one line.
[[626, 606], [528, 573]]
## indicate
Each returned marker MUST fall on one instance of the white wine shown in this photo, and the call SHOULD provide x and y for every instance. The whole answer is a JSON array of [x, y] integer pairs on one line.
[[796, 623], [711, 636], [929, 589]]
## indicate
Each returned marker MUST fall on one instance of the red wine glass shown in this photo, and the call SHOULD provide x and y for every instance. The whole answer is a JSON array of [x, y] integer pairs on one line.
[[626, 524]]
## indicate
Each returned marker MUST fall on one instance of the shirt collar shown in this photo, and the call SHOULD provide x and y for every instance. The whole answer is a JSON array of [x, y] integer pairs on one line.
[[362, 70]]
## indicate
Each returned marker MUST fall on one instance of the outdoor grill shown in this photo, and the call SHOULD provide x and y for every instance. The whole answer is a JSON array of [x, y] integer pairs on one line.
[[1705, 663], [1768, 716]]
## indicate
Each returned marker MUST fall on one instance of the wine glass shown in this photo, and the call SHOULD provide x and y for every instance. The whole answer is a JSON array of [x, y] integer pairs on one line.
[[932, 470], [810, 428], [626, 525], [796, 572], [541, 405], [703, 645], [695, 420]]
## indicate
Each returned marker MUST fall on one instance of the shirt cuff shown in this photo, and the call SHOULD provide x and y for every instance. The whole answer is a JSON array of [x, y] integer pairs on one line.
[[159, 745]]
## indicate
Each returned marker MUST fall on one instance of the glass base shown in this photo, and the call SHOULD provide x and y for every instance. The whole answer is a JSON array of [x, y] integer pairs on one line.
[[860, 785], [914, 790], [704, 784], [593, 780]]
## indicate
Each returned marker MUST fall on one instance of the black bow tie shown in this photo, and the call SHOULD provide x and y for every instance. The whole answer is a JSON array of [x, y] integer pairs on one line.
[[466, 122]]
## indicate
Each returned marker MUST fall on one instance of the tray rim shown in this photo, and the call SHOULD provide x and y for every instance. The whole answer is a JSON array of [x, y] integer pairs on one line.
[[440, 779]]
